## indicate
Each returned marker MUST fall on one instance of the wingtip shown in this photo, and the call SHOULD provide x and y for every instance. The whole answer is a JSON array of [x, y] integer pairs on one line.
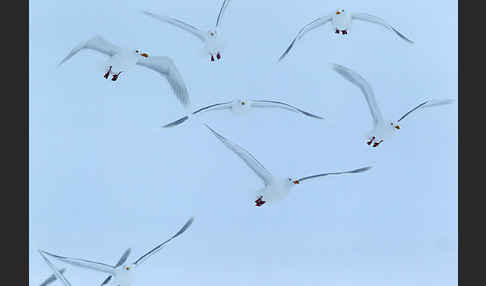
[[335, 66], [363, 169]]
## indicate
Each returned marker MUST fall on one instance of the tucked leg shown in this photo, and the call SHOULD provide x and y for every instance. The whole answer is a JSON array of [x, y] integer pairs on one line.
[[259, 202], [107, 73], [371, 140], [337, 31], [115, 76], [377, 143]]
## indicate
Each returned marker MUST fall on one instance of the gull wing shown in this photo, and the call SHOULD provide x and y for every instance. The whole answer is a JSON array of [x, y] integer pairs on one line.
[[97, 266], [428, 103], [217, 106], [365, 87], [159, 247], [379, 21], [307, 28], [96, 43], [221, 12], [335, 173], [166, 67], [250, 161], [178, 23], [281, 105], [57, 274]]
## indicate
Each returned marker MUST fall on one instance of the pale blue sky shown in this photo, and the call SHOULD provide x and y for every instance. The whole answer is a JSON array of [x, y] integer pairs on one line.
[[104, 176]]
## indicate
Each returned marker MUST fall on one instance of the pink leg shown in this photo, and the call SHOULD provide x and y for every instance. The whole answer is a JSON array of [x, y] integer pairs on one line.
[[372, 139], [115, 76], [259, 202], [107, 73], [344, 32], [212, 58], [218, 56]]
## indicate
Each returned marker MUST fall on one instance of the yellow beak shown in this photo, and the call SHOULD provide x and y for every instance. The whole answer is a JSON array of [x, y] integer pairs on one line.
[[144, 55], [337, 13], [397, 127]]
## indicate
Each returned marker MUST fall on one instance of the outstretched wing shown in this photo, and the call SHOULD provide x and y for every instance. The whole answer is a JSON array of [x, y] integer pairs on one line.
[[106, 280], [365, 87], [250, 161], [307, 28], [57, 274], [52, 278], [124, 257], [379, 21], [217, 106], [178, 23], [221, 12], [96, 43], [336, 173], [282, 105], [166, 67], [85, 263], [428, 103], [159, 247]]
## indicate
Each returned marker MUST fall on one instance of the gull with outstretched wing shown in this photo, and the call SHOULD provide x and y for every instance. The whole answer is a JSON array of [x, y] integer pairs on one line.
[[381, 128], [274, 188], [212, 44], [122, 274], [120, 60], [241, 106], [341, 21]]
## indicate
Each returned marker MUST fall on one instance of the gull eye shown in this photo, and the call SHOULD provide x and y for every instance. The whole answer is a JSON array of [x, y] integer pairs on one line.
[[127, 268], [137, 51]]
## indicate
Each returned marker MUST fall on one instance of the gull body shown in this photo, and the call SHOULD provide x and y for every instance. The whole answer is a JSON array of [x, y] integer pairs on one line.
[[341, 21], [243, 106], [382, 129], [275, 188], [121, 60], [211, 39], [122, 274]]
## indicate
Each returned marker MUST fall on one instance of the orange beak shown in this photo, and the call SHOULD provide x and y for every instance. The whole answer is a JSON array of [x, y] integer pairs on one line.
[[296, 182], [337, 13], [397, 127], [144, 55]]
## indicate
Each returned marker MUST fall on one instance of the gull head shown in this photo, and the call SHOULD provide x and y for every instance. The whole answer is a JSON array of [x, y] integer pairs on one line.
[[292, 182], [240, 105], [340, 11], [394, 126], [140, 53], [212, 33], [124, 274]]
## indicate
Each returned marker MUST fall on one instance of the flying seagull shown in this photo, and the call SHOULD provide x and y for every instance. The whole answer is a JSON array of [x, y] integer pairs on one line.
[[241, 106], [381, 129], [210, 39], [123, 274], [120, 60], [341, 21], [275, 188]]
